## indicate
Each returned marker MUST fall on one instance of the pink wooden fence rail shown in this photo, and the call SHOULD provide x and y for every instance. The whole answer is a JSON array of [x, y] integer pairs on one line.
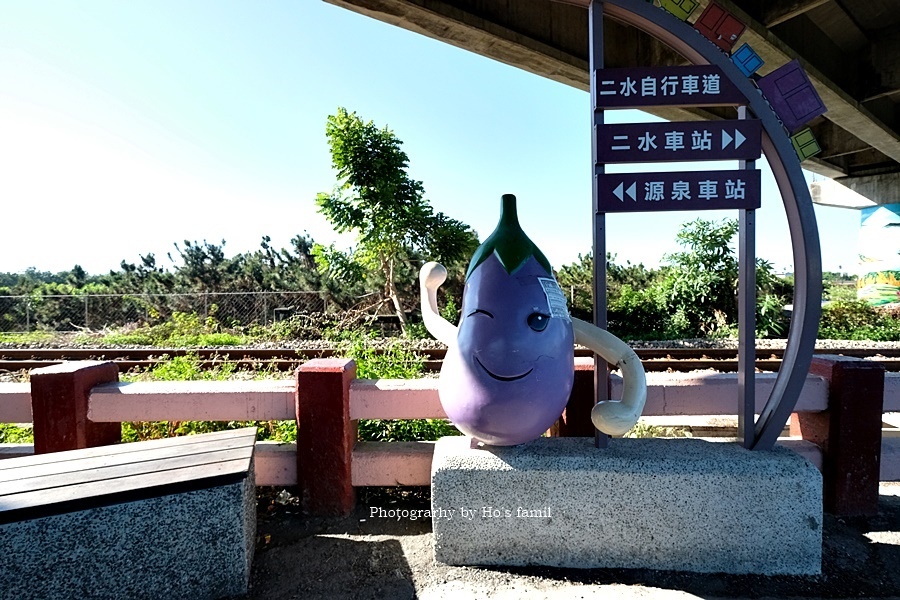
[[837, 420]]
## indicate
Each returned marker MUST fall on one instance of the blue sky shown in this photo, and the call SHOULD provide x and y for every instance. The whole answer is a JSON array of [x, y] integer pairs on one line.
[[127, 126]]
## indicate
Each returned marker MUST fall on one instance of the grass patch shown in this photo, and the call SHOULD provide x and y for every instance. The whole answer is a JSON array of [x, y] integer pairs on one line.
[[182, 330], [276, 431], [392, 359], [26, 337], [189, 368], [183, 368], [645, 430], [12, 433]]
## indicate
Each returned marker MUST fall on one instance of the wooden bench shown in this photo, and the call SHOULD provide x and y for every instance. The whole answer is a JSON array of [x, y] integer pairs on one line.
[[173, 518]]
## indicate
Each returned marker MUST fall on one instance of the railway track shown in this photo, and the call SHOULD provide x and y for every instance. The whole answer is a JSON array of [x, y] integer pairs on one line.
[[654, 359]]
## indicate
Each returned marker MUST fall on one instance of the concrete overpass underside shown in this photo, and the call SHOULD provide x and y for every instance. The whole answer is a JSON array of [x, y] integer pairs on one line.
[[849, 48]]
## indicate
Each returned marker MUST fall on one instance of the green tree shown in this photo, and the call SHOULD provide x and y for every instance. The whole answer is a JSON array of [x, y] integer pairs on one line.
[[377, 200], [576, 281], [77, 276], [701, 283], [204, 266]]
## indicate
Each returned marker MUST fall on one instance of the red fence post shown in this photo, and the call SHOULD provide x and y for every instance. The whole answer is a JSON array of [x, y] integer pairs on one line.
[[59, 406], [325, 436], [849, 433], [576, 418]]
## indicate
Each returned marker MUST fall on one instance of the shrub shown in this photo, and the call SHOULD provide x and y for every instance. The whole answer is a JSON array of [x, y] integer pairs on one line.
[[857, 320], [770, 319], [638, 315], [182, 330], [405, 430], [311, 326]]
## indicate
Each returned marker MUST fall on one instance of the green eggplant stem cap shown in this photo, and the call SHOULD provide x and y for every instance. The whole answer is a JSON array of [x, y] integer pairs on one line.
[[508, 242]]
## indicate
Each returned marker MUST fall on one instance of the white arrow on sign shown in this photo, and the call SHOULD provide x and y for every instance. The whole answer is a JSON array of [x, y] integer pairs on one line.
[[739, 138], [620, 191]]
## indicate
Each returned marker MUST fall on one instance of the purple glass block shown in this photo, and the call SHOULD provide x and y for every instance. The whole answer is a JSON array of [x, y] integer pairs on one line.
[[747, 60], [792, 96]]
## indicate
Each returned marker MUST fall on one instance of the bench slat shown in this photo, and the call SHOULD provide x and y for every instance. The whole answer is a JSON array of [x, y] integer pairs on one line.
[[110, 473], [199, 453], [248, 433], [61, 482], [85, 496]]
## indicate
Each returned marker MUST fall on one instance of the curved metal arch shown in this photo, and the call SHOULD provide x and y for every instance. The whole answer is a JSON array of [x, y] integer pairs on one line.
[[779, 152]]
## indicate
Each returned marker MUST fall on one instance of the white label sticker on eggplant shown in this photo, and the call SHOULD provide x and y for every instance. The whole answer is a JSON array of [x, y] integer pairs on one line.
[[555, 298]]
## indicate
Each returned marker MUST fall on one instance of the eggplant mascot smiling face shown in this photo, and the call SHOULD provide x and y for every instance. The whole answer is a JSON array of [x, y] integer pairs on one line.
[[508, 377]]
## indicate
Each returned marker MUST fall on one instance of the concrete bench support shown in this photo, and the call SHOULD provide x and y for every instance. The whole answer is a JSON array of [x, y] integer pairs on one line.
[[171, 518], [676, 504]]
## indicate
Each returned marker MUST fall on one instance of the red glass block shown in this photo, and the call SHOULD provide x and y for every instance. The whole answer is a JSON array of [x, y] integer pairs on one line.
[[721, 27]]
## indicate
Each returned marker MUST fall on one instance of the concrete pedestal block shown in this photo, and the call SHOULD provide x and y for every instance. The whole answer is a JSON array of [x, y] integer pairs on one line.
[[668, 504]]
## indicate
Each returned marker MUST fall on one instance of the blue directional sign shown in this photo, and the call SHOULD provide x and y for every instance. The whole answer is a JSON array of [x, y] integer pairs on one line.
[[694, 140], [688, 190]]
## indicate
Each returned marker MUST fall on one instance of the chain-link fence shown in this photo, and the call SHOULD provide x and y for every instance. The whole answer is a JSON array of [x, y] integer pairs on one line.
[[97, 311]]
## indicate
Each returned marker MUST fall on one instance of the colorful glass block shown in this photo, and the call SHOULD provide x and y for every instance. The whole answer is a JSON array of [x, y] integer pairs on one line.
[[792, 95], [747, 60], [720, 26], [805, 144], [680, 8]]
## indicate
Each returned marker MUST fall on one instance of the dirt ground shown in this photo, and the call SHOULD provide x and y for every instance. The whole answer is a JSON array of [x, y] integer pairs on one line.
[[361, 557]]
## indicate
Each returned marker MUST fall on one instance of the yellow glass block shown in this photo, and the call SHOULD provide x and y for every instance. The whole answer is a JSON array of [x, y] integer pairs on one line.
[[680, 8], [805, 144]]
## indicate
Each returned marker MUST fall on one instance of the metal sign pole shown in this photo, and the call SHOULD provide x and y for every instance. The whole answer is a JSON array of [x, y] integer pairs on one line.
[[746, 316], [601, 368]]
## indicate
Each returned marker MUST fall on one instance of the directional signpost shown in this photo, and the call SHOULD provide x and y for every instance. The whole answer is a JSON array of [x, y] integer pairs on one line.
[[664, 142], [687, 190], [695, 85], [740, 140]]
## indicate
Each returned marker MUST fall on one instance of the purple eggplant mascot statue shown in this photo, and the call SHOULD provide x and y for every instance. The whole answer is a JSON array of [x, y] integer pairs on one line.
[[509, 367]]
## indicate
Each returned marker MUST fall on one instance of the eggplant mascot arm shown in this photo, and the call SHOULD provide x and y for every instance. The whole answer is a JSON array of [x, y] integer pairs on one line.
[[431, 276], [610, 417]]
